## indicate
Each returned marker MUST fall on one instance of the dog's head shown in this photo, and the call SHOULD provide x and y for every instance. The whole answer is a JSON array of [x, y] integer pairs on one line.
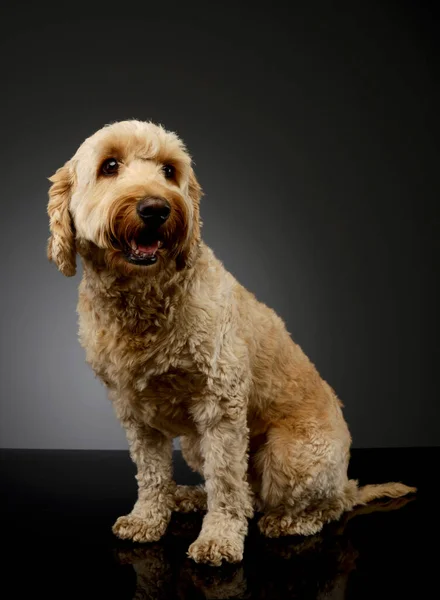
[[127, 199]]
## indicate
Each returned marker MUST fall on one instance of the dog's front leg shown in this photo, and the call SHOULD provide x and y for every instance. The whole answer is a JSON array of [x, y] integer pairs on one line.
[[151, 451], [224, 449]]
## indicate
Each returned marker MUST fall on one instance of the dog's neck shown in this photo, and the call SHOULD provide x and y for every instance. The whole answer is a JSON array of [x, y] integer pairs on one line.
[[142, 300]]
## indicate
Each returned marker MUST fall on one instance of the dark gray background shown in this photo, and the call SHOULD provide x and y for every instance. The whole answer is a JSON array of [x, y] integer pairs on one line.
[[315, 135]]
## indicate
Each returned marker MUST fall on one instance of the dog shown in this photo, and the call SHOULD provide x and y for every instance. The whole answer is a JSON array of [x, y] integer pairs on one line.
[[185, 350]]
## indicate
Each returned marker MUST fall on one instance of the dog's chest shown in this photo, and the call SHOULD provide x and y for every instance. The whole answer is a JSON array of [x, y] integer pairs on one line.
[[124, 359], [166, 402], [150, 367]]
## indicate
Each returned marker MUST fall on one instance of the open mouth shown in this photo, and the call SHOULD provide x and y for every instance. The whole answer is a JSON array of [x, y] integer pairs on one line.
[[143, 249]]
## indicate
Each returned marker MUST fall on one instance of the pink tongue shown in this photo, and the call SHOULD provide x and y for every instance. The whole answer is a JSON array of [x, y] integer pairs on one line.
[[150, 249]]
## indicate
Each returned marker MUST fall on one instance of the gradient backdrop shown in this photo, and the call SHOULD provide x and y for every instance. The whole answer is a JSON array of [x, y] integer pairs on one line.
[[314, 131]]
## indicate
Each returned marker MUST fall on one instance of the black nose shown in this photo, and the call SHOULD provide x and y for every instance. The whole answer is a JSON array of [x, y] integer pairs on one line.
[[153, 211]]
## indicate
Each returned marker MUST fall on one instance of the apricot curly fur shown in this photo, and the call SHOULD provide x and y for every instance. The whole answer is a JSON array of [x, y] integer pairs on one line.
[[185, 350]]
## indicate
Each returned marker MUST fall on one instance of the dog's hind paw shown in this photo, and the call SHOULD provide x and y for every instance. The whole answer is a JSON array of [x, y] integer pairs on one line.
[[190, 498], [277, 525]]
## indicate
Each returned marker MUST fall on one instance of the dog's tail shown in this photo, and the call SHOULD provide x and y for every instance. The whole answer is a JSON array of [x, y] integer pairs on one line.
[[367, 493]]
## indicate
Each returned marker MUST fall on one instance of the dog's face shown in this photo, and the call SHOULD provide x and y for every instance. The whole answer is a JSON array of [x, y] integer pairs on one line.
[[129, 199]]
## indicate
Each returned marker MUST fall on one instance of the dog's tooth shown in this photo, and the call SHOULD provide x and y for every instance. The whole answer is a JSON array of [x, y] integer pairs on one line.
[[133, 245], [160, 243]]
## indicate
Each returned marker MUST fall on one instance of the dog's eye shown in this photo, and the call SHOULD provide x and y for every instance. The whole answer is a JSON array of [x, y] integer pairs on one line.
[[169, 171], [110, 166]]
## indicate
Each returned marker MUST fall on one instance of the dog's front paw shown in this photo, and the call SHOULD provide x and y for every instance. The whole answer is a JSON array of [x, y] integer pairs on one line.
[[213, 550], [131, 527]]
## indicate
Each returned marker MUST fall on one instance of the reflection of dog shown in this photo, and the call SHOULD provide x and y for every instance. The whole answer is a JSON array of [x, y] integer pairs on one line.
[[318, 566], [186, 351]]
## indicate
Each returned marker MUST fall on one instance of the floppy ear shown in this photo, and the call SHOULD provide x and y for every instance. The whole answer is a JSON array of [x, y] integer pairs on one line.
[[61, 245], [188, 255]]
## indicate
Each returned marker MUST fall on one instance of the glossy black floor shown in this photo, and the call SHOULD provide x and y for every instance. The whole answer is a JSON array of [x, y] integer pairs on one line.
[[57, 509]]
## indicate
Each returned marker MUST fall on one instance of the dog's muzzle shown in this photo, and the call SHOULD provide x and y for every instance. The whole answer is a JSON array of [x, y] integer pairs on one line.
[[142, 249]]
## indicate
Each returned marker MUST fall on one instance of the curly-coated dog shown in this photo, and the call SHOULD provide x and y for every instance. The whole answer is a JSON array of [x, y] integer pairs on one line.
[[185, 350]]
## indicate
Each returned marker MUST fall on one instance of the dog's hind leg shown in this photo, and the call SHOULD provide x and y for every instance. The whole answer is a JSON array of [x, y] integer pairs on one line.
[[190, 446], [303, 480], [191, 498], [286, 520]]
